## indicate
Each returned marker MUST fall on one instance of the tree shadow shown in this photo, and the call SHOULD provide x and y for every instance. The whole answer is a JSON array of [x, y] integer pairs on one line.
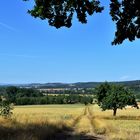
[[122, 117], [41, 131]]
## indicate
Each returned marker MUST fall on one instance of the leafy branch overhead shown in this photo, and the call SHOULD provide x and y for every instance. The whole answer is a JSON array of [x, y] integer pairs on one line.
[[126, 14], [59, 13]]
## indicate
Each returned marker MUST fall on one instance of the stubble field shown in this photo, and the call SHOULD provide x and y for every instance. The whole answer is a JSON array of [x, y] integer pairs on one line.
[[70, 122]]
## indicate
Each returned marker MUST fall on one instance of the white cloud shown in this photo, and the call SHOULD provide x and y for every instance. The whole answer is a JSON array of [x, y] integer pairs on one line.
[[125, 77], [18, 55], [7, 26]]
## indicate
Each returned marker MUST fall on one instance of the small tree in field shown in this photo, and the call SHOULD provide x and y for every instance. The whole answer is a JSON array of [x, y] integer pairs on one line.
[[114, 97], [5, 108]]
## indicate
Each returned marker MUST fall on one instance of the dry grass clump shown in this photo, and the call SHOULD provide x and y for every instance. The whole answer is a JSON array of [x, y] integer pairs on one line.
[[13, 130], [123, 135]]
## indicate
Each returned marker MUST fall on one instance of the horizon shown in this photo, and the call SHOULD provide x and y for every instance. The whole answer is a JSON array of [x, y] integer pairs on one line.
[[34, 52], [67, 82]]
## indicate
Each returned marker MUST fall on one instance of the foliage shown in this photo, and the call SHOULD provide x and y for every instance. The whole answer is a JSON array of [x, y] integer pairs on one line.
[[60, 12], [114, 97], [102, 92], [125, 13], [23, 96], [11, 93], [5, 108], [55, 99]]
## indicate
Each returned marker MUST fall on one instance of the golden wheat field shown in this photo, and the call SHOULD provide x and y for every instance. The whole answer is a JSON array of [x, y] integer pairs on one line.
[[70, 122]]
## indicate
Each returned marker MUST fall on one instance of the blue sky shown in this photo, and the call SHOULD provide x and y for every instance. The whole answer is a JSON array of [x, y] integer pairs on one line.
[[31, 51]]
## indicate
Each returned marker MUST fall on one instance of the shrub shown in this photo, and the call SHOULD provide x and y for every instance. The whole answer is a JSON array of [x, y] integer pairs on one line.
[[5, 108]]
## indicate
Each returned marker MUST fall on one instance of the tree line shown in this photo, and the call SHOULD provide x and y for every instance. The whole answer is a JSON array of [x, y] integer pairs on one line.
[[23, 96], [55, 99], [107, 96]]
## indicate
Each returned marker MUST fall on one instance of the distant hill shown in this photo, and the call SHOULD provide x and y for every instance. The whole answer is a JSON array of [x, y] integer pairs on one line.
[[135, 85]]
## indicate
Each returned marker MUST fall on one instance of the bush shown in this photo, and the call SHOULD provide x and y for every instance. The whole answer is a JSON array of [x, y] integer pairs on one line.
[[5, 109]]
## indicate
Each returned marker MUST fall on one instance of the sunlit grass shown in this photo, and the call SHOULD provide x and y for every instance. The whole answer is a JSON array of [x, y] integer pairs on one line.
[[49, 112], [128, 111], [47, 120]]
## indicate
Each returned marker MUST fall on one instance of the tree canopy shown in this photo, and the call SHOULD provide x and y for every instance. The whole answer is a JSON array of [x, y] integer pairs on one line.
[[126, 14], [59, 13], [114, 97]]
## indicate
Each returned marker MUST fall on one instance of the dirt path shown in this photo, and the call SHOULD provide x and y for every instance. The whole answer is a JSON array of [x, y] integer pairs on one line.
[[87, 112], [77, 120]]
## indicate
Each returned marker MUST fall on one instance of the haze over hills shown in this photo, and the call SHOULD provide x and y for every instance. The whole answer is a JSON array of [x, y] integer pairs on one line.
[[132, 84]]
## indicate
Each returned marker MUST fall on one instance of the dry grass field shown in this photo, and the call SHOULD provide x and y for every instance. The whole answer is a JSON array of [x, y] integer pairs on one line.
[[70, 122]]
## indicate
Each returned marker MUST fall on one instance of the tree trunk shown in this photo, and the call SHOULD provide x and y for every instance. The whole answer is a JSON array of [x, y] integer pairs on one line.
[[114, 111]]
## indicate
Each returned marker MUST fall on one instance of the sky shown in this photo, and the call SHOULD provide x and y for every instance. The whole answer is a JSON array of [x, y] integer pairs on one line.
[[31, 51]]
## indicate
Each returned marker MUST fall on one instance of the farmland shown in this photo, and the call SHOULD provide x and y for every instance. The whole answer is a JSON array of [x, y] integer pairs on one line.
[[41, 122]]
